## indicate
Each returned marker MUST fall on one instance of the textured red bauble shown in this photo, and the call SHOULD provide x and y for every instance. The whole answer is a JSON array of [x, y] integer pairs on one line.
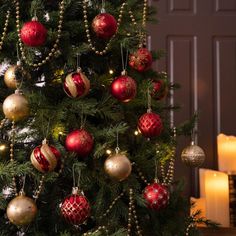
[[150, 125], [141, 60], [45, 158], [160, 89], [76, 84], [75, 209], [80, 142], [124, 88], [104, 25], [156, 196], [33, 34]]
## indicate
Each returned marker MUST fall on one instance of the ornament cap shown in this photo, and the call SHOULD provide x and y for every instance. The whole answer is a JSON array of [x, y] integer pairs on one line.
[[35, 18], [22, 193], [156, 181], [45, 141], [149, 110], [75, 190], [79, 70], [18, 63], [192, 143], [124, 72], [103, 10], [18, 91]]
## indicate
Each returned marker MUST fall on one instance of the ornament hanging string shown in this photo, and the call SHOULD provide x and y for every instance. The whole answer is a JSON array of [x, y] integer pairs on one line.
[[124, 62], [82, 118], [117, 142], [23, 185], [78, 55], [79, 176], [103, 10], [149, 101]]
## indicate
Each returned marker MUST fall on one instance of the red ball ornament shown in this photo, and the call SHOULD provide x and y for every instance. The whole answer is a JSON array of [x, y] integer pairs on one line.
[[33, 33], [124, 88], [80, 142], [75, 208], [160, 89], [156, 196], [45, 158], [141, 60], [150, 125], [104, 25], [76, 84]]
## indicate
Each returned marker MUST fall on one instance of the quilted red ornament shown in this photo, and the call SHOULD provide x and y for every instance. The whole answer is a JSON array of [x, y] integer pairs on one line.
[[156, 196], [33, 33], [76, 84], [150, 125], [141, 60], [123, 88], [45, 158], [80, 142], [104, 25], [75, 208], [160, 89]]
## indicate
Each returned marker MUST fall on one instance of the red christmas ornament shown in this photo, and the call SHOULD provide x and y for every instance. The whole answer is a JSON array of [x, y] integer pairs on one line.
[[156, 196], [160, 89], [141, 60], [150, 125], [75, 208], [33, 33], [80, 142], [104, 25], [76, 84], [123, 88], [45, 158]]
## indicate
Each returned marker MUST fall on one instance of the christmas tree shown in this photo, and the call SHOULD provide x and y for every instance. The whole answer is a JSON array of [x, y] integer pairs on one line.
[[87, 147]]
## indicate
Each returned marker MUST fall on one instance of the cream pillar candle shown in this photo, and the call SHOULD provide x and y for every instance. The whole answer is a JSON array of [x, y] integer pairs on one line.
[[226, 146], [214, 187]]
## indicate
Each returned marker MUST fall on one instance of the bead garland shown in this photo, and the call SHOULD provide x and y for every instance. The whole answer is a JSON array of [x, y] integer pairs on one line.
[[140, 174], [111, 205], [5, 29], [2, 123], [54, 49], [191, 225], [132, 213], [100, 228]]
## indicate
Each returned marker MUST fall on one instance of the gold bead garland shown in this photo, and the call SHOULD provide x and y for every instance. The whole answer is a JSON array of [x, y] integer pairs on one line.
[[111, 205], [39, 190], [191, 225], [54, 49], [140, 174], [132, 213], [5, 29], [167, 178], [2, 123], [100, 228]]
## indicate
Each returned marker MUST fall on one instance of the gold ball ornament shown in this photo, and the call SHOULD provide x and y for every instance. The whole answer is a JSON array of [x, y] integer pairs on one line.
[[118, 166], [16, 106], [193, 155], [21, 210]]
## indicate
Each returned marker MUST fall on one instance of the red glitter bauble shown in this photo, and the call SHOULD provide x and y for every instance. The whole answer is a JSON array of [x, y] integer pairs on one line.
[[141, 60], [80, 142], [160, 89], [150, 125], [75, 209], [45, 158], [156, 196], [104, 25], [33, 34], [123, 88], [76, 84]]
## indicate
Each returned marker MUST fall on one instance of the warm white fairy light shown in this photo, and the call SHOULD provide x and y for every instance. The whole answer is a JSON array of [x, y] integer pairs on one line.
[[136, 132], [2, 147], [108, 151], [111, 72]]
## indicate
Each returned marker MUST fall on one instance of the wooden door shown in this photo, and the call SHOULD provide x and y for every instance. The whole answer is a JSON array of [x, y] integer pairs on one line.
[[199, 37]]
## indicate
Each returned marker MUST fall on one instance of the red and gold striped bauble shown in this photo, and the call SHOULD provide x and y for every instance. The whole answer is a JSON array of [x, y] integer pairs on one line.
[[45, 158], [76, 84]]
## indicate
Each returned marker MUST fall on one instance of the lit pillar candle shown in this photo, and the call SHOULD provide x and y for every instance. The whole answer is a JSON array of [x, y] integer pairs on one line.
[[214, 187], [226, 146]]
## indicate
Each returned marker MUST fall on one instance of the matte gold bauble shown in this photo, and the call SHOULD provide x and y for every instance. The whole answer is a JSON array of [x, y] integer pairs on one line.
[[16, 106], [193, 155], [10, 77], [118, 166], [21, 210]]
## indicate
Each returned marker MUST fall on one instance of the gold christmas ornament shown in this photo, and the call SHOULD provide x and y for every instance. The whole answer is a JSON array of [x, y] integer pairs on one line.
[[21, 210], [118, 166], [16, 106], [193, 155]]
